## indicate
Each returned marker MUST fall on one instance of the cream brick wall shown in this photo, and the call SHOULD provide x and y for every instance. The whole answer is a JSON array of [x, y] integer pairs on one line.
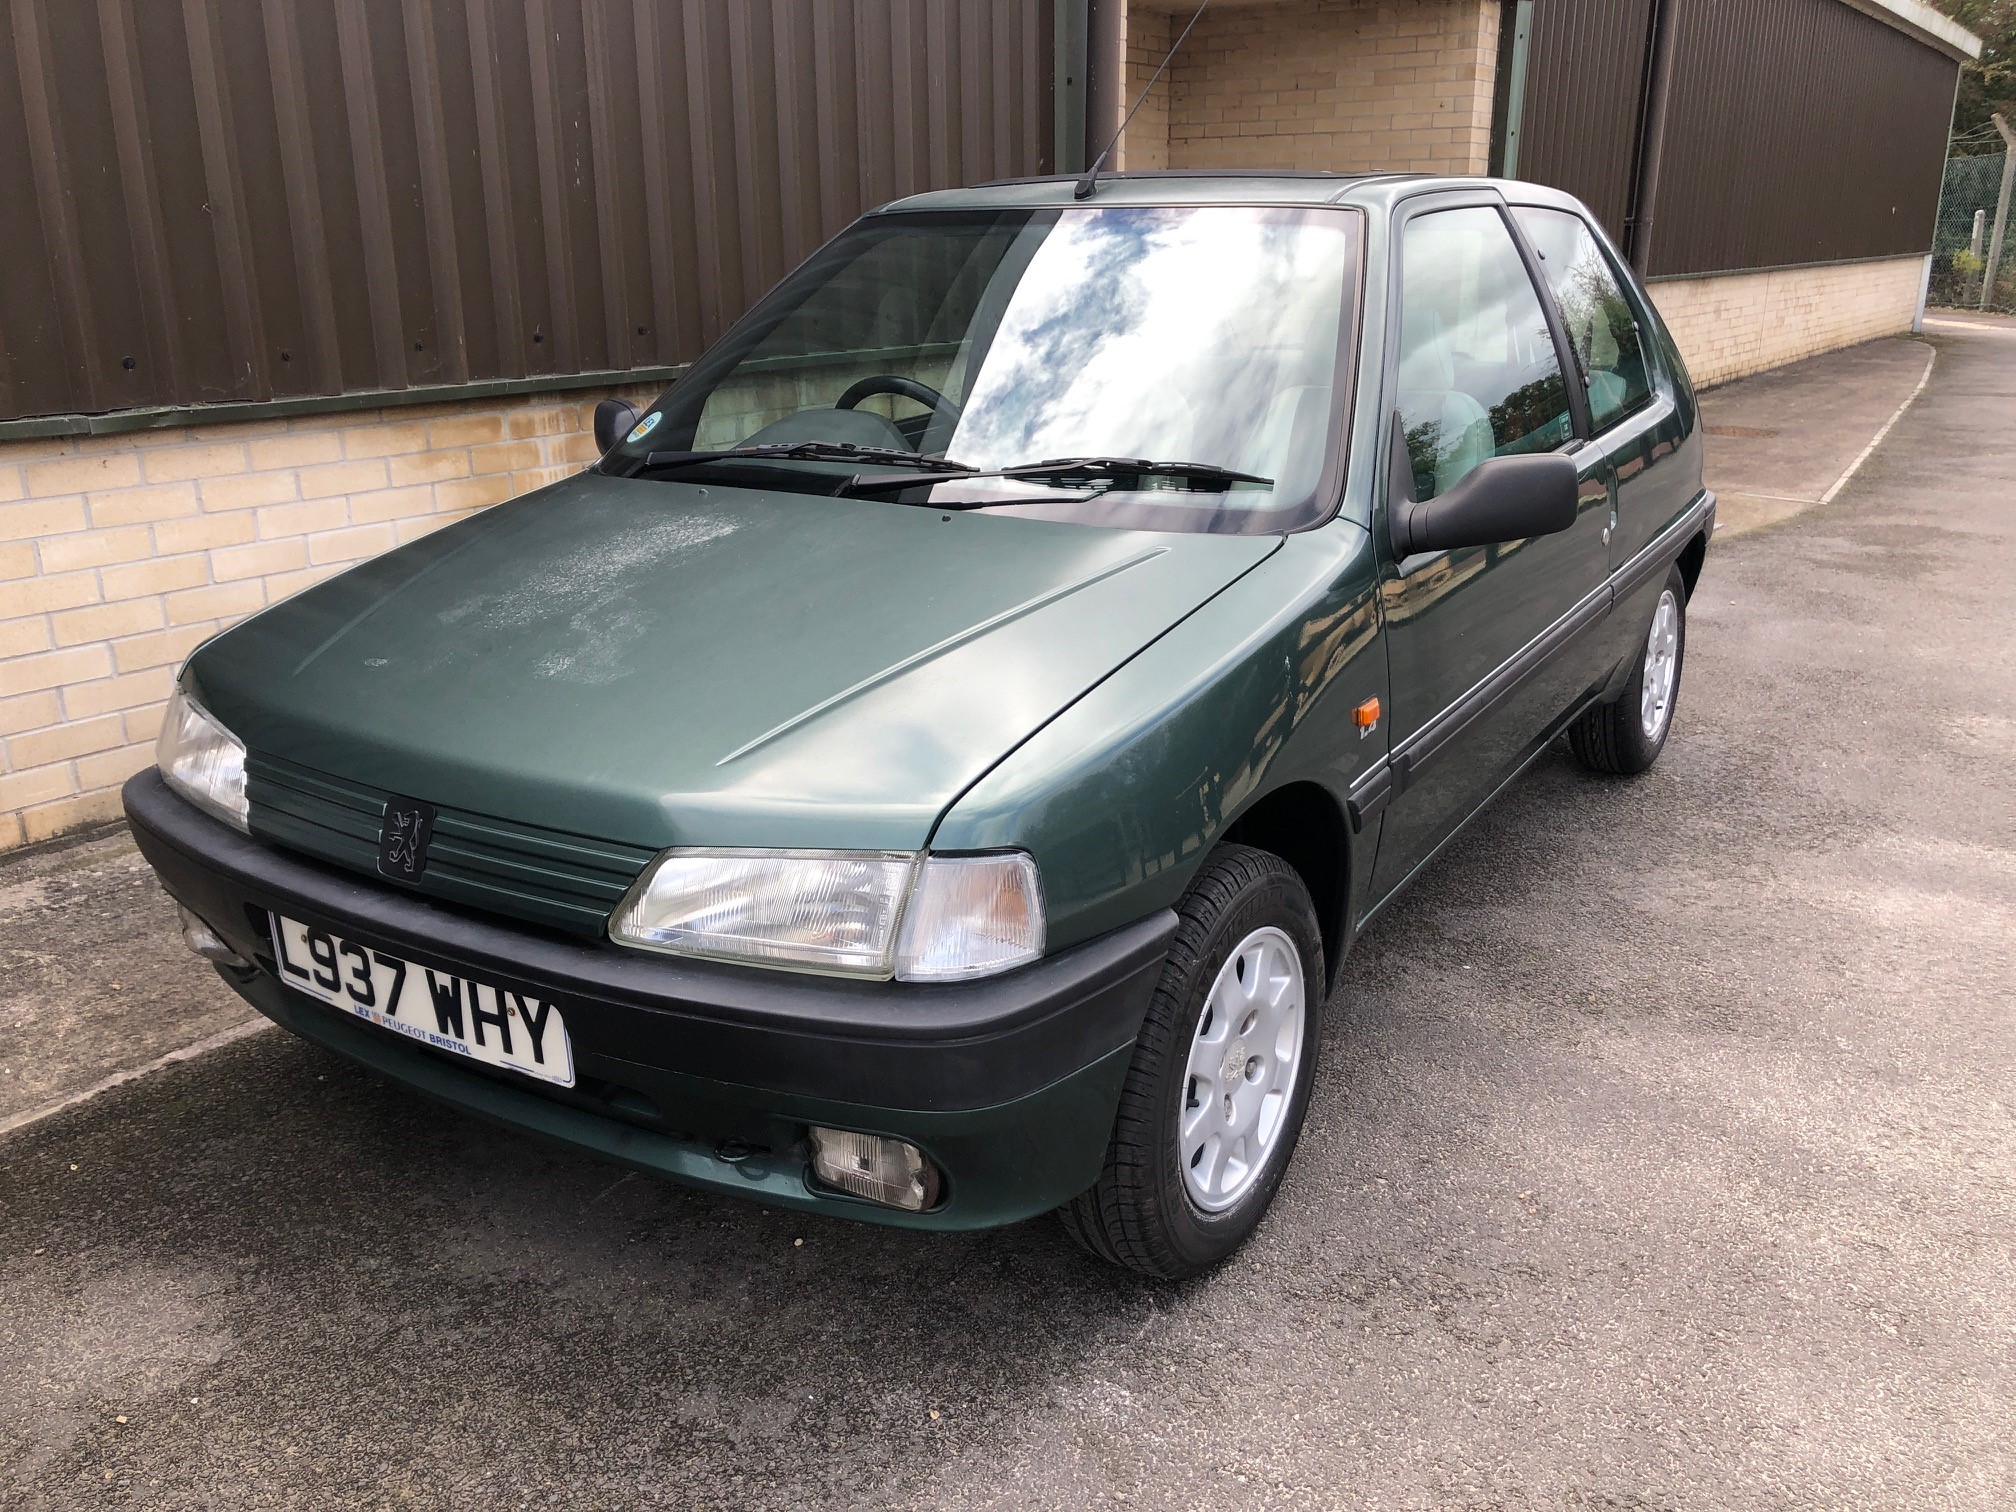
[[1737, 323], [1146, 40], [1344, 85], [118, 554]]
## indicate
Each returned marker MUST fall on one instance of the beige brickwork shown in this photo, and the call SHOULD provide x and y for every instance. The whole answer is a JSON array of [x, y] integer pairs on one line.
[[1145, 146], [1343, 85], [119, 554], [1737, 323]]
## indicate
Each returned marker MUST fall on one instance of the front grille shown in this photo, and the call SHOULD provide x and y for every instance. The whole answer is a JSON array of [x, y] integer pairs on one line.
[[549, 877]]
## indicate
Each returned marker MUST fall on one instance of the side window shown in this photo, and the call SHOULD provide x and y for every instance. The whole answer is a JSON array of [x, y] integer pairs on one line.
[[1479, 377], [1600, 320]]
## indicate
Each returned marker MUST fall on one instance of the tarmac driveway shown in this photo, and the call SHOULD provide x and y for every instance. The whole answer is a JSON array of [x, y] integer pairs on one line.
[[1662, 1156]]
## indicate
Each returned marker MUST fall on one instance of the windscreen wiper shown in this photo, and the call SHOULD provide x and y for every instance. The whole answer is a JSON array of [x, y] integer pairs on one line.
[[1206, 472], [808, 451], [1064, 467]]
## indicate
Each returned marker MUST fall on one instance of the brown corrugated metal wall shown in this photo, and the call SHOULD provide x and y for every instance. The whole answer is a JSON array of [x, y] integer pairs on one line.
[[1796, 131], [1800, 131], [1585, 76], [231, 200]]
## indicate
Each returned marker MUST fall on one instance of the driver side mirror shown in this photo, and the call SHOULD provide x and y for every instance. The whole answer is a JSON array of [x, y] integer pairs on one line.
[[613, 419], [1504, 499]]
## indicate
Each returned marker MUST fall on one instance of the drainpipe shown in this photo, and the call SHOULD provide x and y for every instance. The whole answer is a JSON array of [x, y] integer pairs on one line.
[[1105, 73], [1073, 19], [1515, 37], [1652, 135]]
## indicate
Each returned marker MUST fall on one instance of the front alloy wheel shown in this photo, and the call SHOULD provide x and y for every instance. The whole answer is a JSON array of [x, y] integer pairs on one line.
[[1243, 1069], [1220, 1079]]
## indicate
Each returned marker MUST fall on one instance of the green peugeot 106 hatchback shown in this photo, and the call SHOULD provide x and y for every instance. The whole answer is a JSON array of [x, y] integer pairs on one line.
[[930, 769]]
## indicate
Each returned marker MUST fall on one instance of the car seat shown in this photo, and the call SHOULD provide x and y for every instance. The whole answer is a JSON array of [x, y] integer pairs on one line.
[[1451, 425]]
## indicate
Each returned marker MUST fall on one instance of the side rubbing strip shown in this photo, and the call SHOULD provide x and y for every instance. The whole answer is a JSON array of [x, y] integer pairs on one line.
[[1369, 795], [1661, 553], [1426, 746]]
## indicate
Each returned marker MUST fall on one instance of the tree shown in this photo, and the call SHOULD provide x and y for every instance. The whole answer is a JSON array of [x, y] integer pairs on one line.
[[1988, 83]]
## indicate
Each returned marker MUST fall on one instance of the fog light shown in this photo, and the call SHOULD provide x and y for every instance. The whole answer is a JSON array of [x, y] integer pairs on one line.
[[882, 1170], [206, 942]]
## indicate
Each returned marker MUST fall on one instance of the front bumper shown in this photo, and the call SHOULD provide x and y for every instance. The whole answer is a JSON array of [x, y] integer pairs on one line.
[[709, 1075]]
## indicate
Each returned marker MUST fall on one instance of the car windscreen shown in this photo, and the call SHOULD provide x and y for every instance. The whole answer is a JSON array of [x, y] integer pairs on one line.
[[1209, 337]]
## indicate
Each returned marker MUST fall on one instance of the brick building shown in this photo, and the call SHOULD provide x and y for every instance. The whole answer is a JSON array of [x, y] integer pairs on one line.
[[284, 294]]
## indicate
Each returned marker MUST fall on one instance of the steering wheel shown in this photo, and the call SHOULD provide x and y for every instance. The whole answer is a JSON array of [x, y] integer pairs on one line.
[[905, 388]]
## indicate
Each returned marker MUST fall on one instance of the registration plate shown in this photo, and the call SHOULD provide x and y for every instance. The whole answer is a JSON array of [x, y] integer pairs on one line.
[[498, 1026]]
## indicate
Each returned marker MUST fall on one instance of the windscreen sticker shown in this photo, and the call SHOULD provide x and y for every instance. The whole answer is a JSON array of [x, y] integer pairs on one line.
[[645, 426]]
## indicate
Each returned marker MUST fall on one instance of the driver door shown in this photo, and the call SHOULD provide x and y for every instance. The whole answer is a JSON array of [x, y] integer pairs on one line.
[[1479, 374]]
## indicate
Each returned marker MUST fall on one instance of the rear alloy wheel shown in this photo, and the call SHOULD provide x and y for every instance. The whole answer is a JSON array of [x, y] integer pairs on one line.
[[1627, 734], [1215, 1096]]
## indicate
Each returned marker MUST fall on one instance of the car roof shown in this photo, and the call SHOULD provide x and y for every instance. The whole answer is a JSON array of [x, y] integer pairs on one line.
[[1210, 186]]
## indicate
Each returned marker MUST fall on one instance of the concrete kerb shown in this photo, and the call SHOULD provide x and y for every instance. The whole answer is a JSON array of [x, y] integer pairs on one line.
[[1801, 437], [31, 1116]]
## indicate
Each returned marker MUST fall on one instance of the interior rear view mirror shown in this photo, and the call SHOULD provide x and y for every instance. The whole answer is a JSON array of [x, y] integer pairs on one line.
[[1504, 499], [613, 419]]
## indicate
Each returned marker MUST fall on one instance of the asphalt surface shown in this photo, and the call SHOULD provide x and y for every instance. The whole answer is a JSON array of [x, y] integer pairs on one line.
[[1661, 1157]]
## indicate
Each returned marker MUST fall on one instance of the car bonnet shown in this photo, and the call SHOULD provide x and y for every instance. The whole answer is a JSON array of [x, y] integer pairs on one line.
[[661, 663]]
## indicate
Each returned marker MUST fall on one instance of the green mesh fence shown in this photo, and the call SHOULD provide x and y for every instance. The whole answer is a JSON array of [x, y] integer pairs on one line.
[[1972, 185]]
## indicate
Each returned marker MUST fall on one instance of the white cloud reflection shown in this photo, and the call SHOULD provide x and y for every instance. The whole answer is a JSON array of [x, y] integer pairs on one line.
[[1199, 335]]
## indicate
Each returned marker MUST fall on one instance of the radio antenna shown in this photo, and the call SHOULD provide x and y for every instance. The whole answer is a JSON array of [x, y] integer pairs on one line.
[[1089, 184]]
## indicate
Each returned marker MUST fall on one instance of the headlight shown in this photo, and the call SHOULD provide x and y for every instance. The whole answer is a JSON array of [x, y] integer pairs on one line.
[[202, 760], [840, 911], [817, 910]]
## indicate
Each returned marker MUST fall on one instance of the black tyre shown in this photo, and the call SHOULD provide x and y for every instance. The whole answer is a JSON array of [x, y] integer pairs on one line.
[[1627, 735], [1214, 1099]]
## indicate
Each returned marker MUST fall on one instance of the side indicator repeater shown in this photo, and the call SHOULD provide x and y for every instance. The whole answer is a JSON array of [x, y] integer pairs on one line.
[[1366, 717]]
